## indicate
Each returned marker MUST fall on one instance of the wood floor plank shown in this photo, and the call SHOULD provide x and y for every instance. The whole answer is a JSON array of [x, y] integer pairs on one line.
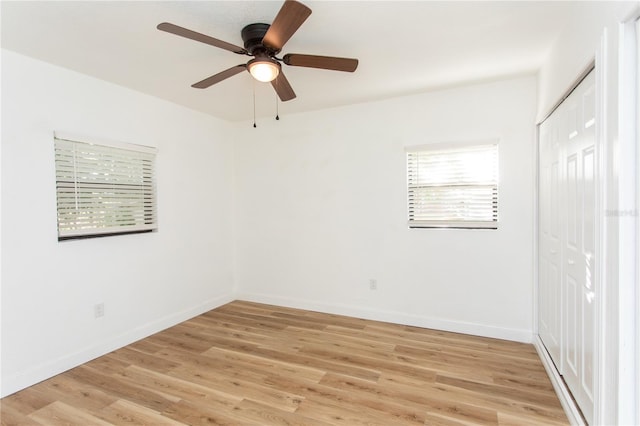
[[143, 359], [108, 364], [146, 346], [264, 365], [9, 415], [251, 335], [375, 405], [386, 362], [198, 414], [511, 393], [438, 392], [177, 338], [436, 419], [513, 420], [252, 411], [277, 321], [256, 321], [74, 393], [154, 399], [181, 389], [125, 412], [538, 383], [247, 363], [325, 336], [60, 414], [26, 403], [453, 408], [246, 387], [312, 361], [337, 413], [470, 358]]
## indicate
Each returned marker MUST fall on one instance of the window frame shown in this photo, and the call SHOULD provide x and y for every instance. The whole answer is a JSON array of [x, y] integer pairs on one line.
[[120, 193], [450, 223]]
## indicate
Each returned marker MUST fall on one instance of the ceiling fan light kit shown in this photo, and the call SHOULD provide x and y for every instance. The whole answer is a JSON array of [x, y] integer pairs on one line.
[[264, 69], [264, 42]]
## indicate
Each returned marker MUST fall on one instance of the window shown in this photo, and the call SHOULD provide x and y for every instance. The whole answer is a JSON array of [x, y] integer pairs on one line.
[[453, 186], [104, 189]]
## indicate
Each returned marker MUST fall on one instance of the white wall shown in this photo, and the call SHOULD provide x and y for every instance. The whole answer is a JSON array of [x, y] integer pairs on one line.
[[321, 209], [575, 48], [147, 281]]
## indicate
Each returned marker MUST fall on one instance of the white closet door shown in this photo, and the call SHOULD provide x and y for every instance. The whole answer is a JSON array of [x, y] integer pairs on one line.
[[579, 245], [567, 231], [550, 264]]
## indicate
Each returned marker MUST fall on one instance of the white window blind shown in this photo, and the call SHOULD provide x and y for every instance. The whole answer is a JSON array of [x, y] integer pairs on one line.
[[104, 189], [452, 186]]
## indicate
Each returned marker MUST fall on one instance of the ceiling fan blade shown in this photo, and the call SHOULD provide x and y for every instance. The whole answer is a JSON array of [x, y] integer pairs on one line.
[[183, 32], [283, 88], [291, 15], [217, 78], [322, 62]]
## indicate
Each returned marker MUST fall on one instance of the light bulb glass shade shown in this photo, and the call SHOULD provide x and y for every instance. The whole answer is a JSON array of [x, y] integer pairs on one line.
[[264, 70]]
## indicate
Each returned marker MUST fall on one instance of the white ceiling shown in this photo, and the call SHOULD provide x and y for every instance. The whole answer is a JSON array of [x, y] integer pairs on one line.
[[403, 47]]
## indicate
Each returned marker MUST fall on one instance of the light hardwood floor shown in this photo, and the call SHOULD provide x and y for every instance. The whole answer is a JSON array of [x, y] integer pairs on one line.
[[252, 364]]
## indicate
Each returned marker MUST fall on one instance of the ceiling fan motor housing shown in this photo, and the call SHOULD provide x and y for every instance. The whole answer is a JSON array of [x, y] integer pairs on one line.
[[252, 36]]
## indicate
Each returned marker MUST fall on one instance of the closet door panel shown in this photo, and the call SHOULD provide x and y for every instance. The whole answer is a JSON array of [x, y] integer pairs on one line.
[[554, 188], [589, 202], [588, 251], [572, 306], [579, 245], [572, 204], [549, 270], [572, 312]]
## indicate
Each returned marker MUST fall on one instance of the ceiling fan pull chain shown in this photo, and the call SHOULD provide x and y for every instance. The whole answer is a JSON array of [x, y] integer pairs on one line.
[[254, 104], [277, 111]]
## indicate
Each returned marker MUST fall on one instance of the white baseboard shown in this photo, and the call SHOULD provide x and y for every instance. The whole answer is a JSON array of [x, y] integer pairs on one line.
[[564, 395], [14, 382], [517, 335]]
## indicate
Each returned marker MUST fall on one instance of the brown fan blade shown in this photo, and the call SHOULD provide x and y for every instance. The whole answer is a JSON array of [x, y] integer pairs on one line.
[[207, 82], [291, 15], [322, 62], [183, 32], [283, 88]]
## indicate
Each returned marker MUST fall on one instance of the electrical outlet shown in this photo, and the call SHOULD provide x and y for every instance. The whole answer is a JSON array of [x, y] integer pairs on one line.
[[373, 284], [98, 310]]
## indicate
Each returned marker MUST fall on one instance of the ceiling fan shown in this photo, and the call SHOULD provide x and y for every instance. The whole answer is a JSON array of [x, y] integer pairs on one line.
[[264, 42]]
